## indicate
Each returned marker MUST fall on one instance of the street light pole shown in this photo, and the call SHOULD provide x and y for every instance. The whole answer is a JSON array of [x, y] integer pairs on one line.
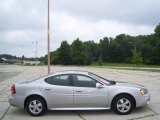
[[135, 45], [135, 49], [36, 51], [48, 38]]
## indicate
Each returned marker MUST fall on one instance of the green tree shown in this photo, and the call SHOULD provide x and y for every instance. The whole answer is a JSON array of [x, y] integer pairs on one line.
[[78, 52], [136, 59], [118, 49], [157, 30], [55, 57], [23, 57], [65, 53], [92, 50], [121, 48], [100, 62], [104, 49]]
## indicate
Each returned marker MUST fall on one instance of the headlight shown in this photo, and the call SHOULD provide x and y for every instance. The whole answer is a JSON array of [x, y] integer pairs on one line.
[[143, 91]]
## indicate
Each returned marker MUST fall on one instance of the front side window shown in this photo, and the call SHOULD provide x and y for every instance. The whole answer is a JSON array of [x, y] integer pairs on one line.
[[84, 81]]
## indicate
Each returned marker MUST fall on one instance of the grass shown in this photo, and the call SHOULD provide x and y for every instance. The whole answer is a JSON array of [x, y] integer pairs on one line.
[[138, 69], [125, 65]]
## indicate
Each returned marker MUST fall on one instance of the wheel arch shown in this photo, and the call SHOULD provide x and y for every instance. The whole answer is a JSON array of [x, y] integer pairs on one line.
[[134, 100], [34, 95]]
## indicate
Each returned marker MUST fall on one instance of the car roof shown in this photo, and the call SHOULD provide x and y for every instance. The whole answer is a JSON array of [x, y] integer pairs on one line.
[[64, 72], [71, 72]]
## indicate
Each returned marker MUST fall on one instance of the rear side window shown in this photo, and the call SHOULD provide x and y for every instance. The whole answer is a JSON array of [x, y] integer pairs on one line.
[[61, 80], [48, 80]]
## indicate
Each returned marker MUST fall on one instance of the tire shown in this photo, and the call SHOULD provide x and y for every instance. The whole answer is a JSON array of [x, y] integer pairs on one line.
[[123, 104], [36, 106]]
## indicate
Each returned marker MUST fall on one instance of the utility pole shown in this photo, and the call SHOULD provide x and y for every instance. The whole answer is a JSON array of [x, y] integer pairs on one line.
[[35, 51], [48, 37]]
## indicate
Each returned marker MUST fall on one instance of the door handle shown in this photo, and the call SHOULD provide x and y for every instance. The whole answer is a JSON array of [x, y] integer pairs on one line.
[[47, 88], [78, 90]]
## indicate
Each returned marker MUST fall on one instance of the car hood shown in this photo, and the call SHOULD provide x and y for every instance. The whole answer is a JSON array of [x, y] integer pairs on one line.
[[125, 84]]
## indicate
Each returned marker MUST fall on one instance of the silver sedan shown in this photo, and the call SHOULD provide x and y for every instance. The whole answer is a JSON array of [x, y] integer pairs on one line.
[[77, 90]]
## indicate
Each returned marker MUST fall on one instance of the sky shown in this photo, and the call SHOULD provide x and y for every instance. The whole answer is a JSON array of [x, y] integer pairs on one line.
[[22, 22]]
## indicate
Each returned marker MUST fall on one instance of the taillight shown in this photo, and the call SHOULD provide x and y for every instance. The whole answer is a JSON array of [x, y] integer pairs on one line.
[[13, 90]]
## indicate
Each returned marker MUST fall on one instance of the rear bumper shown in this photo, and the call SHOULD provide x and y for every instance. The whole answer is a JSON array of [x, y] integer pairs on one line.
[[16, 100]]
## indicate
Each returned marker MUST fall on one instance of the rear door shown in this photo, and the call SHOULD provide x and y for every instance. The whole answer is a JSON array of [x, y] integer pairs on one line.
[[58, 91], [86, 95]]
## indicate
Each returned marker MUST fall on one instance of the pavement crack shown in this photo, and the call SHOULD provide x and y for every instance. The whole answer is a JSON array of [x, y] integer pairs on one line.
[[142, 117], [5, 113], [154, 114], [152, 111], [79, 115]]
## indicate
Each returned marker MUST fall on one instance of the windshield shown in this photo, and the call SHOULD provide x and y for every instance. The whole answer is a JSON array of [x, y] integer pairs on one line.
[[105, 81]]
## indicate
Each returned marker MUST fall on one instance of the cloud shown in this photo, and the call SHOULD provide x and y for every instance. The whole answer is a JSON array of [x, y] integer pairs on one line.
[[20, 43], [21, 15], [22, 22], [130, 11], [88, 29]]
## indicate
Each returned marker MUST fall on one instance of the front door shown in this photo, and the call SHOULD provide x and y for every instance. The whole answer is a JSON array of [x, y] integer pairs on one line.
[[86, 95]]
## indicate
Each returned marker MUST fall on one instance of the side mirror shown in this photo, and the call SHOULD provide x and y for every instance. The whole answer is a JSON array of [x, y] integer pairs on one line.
[[98, 85]]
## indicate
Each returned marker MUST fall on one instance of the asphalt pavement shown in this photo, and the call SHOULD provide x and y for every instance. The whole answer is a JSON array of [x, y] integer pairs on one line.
[[151, 80]]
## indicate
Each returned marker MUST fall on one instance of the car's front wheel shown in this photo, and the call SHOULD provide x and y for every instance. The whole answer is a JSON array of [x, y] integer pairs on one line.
[[123, 104], [36, 106]]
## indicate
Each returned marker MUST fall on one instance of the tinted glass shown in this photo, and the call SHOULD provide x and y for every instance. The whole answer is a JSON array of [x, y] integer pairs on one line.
[[62, 80], [84, 81], [100, 78], [48, 80]]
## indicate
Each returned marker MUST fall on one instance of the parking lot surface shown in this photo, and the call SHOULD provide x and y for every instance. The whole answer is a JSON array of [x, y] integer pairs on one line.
[[10, 74]]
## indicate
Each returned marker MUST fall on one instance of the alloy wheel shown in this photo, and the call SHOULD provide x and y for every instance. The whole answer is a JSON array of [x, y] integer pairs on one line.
[[123, 105], [35, 107]]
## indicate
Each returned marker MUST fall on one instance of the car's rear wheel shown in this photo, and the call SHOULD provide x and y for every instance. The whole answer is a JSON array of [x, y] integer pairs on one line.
[[36, 106], [123, 104]]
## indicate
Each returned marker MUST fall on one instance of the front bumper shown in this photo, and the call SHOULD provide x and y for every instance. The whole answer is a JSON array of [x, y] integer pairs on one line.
[[143, 100], [16, 100]]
